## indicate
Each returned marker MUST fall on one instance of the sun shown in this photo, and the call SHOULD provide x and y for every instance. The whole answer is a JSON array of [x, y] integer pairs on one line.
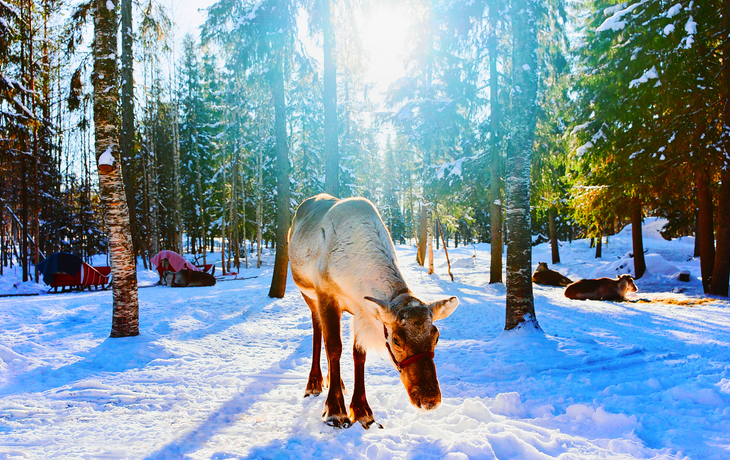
[[384, 32]]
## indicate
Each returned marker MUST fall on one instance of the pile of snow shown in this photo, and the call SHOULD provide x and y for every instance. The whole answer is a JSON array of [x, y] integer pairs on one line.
[[655, 265], [11, 283], [466, 262], [651, 228]]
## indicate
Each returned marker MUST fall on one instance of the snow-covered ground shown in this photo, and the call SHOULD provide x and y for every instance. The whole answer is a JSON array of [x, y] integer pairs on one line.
[[219, 372]]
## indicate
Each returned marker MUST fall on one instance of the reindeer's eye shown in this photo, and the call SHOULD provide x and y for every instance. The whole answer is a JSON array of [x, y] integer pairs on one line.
[[396, 342]]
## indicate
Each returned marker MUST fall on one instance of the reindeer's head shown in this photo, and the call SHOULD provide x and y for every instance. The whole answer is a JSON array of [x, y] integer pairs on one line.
[[165, 264], [175, 279], [626, 283], [411, 338], [542, 267]]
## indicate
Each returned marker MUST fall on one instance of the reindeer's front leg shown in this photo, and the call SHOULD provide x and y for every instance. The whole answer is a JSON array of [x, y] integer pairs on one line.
[[335, 413], [359, 408]]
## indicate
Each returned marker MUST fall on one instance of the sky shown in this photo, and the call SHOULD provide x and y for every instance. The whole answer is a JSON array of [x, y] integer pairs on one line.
[[384, 32]]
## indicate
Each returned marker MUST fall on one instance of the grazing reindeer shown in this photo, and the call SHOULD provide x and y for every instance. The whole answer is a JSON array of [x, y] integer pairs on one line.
[[187, 278], [343, 260], [601, 288], [543, 275]]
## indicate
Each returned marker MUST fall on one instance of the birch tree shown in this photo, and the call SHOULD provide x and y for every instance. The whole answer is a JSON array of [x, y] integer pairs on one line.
[[125, 318]]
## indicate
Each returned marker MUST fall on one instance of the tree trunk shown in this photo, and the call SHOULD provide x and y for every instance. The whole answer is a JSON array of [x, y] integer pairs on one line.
[[36, 157], [599, 246], [259, 203], [278, 281], [429, 240], [331, 154], [721, 270], [126, 140], [697, 235], [201, 204], [706, 228], [125, 316], [422, 237], [233, 216], [495, 228], [520, 301], [242, 224], [554, 235], [638, 241], [223, 219], [446, 251]]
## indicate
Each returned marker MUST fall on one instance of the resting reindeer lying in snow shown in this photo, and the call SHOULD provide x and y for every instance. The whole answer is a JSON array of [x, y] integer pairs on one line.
[[601, 288], [343, 260], [187, 278], [543, 275]]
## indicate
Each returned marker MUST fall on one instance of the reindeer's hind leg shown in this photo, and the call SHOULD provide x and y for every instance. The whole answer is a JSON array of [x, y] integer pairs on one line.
[[335, 413], [314, 385]]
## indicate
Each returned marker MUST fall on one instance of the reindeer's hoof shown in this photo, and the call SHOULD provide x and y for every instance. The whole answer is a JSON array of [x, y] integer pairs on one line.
[[338, 421], [314, 387], [312, 391], [364, 416], [368, 423]]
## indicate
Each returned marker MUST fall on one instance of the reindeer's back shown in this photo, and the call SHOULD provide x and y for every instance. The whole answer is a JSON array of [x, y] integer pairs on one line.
[[305, 242], [343, 242], [595, 289], [550, 278]]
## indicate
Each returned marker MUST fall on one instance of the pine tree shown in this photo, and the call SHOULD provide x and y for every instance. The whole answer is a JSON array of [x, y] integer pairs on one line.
[[520, 302]]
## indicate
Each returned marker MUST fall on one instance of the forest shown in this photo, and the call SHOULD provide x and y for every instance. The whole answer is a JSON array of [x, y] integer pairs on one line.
[[587, 140], [587, 114]]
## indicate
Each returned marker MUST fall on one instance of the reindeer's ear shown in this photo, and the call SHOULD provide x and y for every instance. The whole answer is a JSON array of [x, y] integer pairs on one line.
[[443, 308], [383, 311]]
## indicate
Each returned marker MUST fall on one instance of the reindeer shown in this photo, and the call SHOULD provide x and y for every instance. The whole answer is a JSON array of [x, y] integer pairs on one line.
[[601, 288], [343, 260], [543, 275], [187, 278]]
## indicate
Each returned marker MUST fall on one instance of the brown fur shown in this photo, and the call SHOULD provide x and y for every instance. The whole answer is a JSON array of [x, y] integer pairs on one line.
[[601, 288], [543, 275], [187, 278]]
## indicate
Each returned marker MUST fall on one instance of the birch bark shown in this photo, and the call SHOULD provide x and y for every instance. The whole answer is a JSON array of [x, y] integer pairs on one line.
[[125, 316]]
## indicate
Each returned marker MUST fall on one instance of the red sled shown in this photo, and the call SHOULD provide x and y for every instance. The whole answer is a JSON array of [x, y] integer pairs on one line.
[[62, 270]]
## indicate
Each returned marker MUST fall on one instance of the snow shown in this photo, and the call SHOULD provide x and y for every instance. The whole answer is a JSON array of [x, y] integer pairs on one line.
[[584, 148], [220, 372], [106, 158], [580, 127], [648, 75], [673, 11], [614, 22], [691, 28]]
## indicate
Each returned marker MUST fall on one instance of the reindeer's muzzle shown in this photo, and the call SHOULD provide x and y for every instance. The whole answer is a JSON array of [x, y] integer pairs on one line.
[[422, 385]]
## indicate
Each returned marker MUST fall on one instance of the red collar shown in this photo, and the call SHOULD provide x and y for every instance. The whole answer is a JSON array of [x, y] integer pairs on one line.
[[408, 361]]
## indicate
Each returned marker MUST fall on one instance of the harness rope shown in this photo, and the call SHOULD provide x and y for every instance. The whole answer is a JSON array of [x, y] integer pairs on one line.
[[408, 361]]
